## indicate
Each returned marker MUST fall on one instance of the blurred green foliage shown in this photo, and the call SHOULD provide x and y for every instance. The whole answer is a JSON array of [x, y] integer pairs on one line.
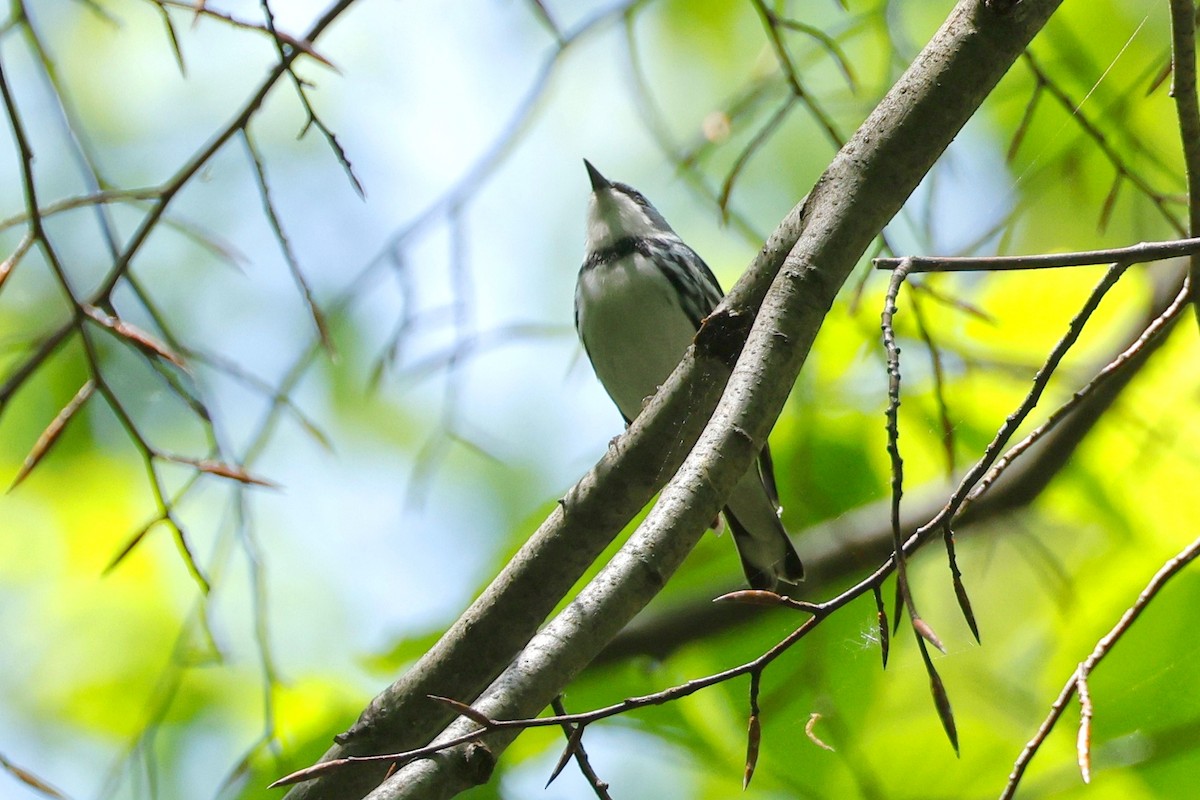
[[410, 473]]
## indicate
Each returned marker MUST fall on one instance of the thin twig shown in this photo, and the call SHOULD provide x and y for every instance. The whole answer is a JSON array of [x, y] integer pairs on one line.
[[35, 782], [312, 120], [1158, 327], [599, 786], [585, 718], [199, 9], [772, 23], [819, 611], [904, 596], [1168, 570], [285, 244], [760, 138], [1187, 109], [1094, 132], [1133, 254], [1040, 381], [939, 380]]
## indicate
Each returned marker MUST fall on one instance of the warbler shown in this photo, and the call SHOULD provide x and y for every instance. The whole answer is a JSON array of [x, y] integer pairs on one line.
[[640, 298]]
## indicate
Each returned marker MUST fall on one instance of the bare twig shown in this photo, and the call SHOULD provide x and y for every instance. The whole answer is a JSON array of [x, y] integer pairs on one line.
[[939, 380], [53, 430], [784, 332], [904, 596], [575, 748], [81, 311], [753, 730], [818, 610], [97, 306], [34, 782], [826, 42], [199, 9], [14, 258], [1154, 330], [761, 136], [772, 23], [1040, 382], [847, 546], [312, 119], [1133, 254], [285, 245], [1093, 131], [582, 718], [1187, 109], [1079, 677]]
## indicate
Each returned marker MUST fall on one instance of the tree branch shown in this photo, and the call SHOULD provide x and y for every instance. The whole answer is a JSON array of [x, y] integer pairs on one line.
[[1133, 254], [879, 168], [483, 641], [850, 543], [1187, 110], [1078, 680]]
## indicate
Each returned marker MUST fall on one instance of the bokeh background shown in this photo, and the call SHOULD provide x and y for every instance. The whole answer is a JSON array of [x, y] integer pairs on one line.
[[453, 405]]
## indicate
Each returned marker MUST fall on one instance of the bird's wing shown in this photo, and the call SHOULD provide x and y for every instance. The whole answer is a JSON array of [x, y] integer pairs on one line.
[[698, 298], [766, 469]]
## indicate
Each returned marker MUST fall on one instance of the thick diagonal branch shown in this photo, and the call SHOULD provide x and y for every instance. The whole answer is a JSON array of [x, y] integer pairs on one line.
[[864, 187], [484, 640]]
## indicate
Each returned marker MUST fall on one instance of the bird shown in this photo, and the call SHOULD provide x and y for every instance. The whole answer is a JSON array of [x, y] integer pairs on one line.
[[641, 296]]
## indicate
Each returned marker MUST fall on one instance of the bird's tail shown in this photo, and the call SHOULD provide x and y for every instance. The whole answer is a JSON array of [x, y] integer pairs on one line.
[[768, 557]]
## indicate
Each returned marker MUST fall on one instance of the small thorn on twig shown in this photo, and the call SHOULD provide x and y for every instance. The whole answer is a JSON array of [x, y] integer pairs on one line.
[[762, 597], [478, 717], [926, 632], [308, 773], [753, 739], [898, 608], [882, 620], [575, 748], [752, 597], [570, 750], [964, 605], [50, 435], [941, 699], [753, 730], [960, 588]]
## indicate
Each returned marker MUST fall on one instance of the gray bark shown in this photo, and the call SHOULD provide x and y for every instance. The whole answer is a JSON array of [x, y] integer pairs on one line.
[[867, 183]]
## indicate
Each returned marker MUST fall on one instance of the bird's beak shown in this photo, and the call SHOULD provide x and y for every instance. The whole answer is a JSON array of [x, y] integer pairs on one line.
[[598, 181]]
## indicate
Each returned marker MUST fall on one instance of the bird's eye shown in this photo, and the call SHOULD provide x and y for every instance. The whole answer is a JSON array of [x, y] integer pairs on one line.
[[632, 194]]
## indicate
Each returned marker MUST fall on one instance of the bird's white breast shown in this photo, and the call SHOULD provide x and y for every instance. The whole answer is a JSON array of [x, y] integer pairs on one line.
[[633, 328]]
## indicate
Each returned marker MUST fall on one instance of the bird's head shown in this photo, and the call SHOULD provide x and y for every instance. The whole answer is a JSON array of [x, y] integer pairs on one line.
[[617, 211]]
